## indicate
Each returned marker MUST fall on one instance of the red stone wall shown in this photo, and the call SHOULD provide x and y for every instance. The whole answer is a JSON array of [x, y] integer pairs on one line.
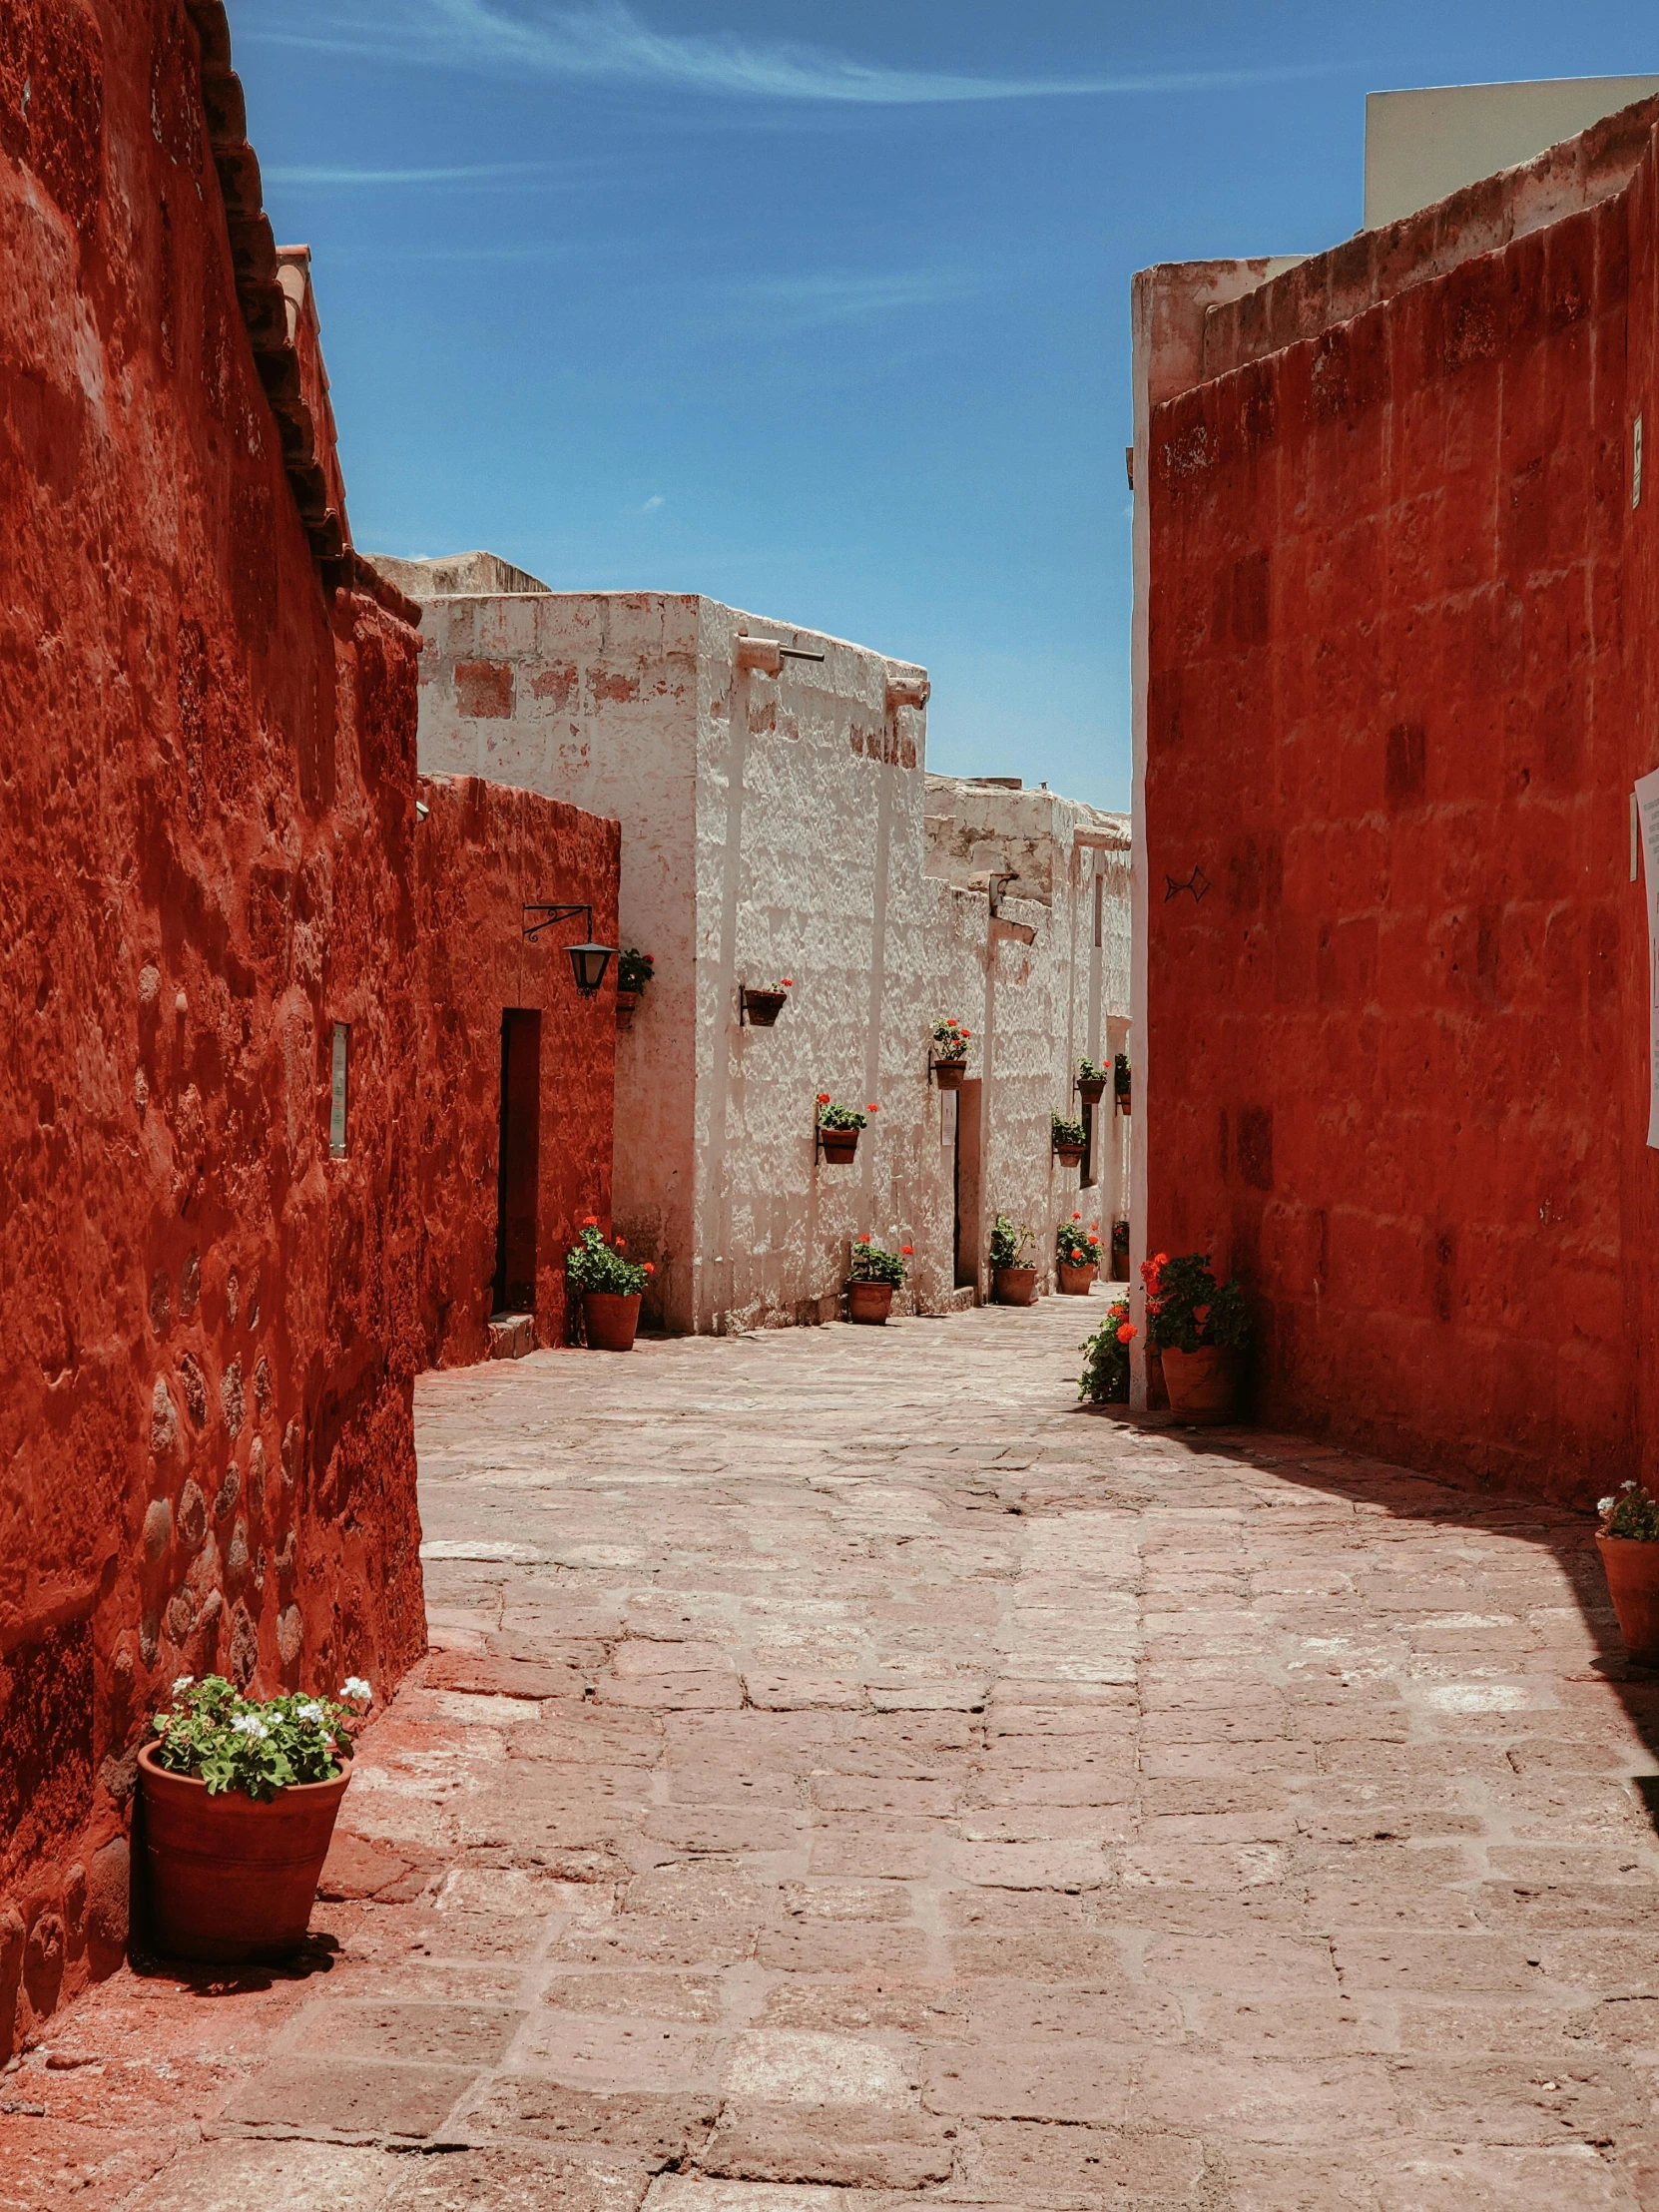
[[1399, 690], [208, 1327], [484, 851]]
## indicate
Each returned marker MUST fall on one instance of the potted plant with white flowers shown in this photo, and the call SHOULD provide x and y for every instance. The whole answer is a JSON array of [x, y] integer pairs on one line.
[[1628, 1541], [239, 1797]]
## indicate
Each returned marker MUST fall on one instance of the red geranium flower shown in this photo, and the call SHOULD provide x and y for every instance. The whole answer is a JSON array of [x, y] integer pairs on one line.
[[870, 1106], [824, 1098], [785, 982], [621, 1241], [1077, 1217], [590, 1221], [864, 1239], [649, 1268], [1127, 1332], [907, 1251]]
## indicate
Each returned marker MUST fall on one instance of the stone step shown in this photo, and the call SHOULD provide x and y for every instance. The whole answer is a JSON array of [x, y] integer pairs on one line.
[[512, 1335]]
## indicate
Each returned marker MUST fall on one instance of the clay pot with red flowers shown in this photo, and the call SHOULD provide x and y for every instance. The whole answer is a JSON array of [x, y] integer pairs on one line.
[[240, 1799], [610, 1285], [948, 1060], [1077, 1255], [759, 1009], [1200, 1327], [837, 1129], [1013, 1283], [872, 1277], [1628, 1541]]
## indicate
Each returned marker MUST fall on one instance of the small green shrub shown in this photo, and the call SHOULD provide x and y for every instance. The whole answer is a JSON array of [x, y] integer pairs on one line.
[[1069, 1132], [832, 1116], [873, 1262], [1007, 1243]]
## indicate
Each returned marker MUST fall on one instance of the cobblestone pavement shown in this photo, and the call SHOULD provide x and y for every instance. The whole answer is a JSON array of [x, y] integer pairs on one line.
[[849, 1773]]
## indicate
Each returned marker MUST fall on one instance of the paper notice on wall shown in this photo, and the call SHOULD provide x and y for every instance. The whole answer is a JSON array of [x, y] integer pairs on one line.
[[1647, 809]]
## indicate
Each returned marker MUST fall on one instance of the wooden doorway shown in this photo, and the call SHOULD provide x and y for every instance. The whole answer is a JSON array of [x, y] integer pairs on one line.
[[970, 1226], [518, 1162]]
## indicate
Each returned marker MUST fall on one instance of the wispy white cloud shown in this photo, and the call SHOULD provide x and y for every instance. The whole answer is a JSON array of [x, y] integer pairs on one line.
[[606, 41], [474, 172], [814, 298], [653, 503]]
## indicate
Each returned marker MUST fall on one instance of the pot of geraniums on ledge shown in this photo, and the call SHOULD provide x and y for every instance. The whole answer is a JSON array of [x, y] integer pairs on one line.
[[873, 1278], [1070, 1139], [837, 1128], [635, 971], [1077, 1255], [240, 1799], [948, 1061], [611, 1286], [759, 1009], [1120, 1251], [1012, 1282], [1091, 1081], [1122, 1082], [1628, 1541], [1199, 1327], [1105, 1376]]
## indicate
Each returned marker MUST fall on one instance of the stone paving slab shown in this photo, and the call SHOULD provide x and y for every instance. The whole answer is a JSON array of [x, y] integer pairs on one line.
[[847, 1775]]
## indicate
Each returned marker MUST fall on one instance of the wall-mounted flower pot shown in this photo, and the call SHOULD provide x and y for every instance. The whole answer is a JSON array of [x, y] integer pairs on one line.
[[869, 1302], [1070, 1153], [232, 1877], [949, 1074], [1014, 1285], [837, 1145], [1122, 1101], [759, 1009], [627, 1005], [1203, 1385], [610, 1319], [1632, 1571], [1075, 1282], [1092, 1089]]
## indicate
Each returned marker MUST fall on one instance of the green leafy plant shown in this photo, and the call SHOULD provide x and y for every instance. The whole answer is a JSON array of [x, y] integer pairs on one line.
[[1121, 1077], [1091, 1071], [1105, 1376], [950, 1040], [634, 969], [597, 1263], [1069, 1132], [1075, 1245], [1187, 1310], [832, 1116], [258, 1746], [1008, 1244], [1631, 1512], [873, 1262]]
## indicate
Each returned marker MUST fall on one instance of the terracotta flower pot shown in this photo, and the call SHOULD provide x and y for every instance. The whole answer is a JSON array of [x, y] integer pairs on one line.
[[1070, 1153], [1093, 1090], [1014, 1285], [839, 1145], [949, 1074], [762, 1008], [610, 1319], [627, 1005], [232, 1878], [1632, 1571], [1074, 1282], [1123, 1099], [868, 1302], [1203, 1385]]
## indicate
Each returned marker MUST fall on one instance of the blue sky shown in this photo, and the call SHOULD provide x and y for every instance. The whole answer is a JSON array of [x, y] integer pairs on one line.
[[820, 311]]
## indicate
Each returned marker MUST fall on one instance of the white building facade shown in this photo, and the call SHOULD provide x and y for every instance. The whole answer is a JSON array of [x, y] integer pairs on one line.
[[776, 823]]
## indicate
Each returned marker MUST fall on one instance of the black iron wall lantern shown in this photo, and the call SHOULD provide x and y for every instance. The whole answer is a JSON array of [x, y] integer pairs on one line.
[[588, 960]]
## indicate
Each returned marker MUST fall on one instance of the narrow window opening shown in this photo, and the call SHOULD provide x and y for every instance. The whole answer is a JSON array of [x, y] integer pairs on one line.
[[337, 1090], [1099, 897], [1088, 1175], [968, 1207]]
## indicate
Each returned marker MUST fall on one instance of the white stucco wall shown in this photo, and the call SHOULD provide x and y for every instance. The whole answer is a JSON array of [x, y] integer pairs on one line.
[[1423, 144], [1040, 1006]]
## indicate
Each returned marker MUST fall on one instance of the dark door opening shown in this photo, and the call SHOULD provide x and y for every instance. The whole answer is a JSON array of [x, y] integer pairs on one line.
[[970, 1225], [517, 1162]]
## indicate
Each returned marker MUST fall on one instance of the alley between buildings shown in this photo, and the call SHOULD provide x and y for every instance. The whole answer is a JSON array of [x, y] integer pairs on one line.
[[844, 1763]]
